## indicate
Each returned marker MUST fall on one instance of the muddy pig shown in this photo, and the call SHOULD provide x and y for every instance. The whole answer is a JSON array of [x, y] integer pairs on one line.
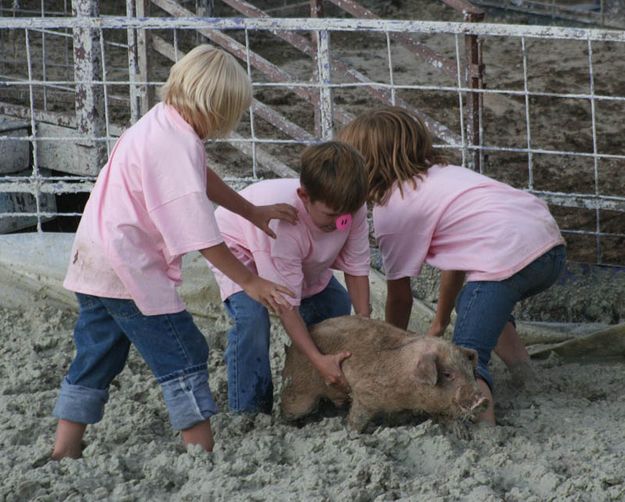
[[390, 370]]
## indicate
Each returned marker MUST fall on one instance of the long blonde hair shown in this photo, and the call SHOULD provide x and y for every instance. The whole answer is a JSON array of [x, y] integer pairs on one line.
[[209, 89], [397, 147]]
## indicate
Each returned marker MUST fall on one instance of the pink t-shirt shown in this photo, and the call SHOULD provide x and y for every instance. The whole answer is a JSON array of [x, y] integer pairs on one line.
[[458, 219], [302, 255], [148, 208]]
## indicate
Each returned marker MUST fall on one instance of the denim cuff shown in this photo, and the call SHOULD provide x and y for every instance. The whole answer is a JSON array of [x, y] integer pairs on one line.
[[80, 404], [188, 399]]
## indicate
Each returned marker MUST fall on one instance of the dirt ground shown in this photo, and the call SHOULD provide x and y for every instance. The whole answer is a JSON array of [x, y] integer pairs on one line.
[[560, 439]]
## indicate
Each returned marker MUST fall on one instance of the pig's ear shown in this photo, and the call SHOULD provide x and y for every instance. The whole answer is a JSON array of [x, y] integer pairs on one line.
[[471, 355], [426, 371]]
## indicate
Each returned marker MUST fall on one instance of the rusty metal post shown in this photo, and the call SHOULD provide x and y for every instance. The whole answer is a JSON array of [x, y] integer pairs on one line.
[[316, 10], [474, 78], [474, 74], [89, 96]]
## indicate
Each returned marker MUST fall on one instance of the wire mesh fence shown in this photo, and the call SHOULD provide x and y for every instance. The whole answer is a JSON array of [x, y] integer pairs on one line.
[[549, 121]]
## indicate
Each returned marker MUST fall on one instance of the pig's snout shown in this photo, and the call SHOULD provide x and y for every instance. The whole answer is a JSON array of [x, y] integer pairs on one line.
[[470, 402], [479, 405]]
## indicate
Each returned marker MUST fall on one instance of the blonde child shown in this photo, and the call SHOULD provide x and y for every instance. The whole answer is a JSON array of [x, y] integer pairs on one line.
[[331, 233], [150, 205], [503, 241]]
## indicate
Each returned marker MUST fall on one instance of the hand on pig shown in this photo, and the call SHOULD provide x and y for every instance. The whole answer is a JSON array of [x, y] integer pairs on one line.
[[390, 370], [329, 366]]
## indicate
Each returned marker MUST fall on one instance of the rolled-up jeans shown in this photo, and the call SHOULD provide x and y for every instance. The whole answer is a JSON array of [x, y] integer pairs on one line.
[[484, 307], [250, 387], [171, 344]]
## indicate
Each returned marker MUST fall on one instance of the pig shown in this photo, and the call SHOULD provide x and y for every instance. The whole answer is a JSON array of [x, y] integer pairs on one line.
[[390, 370]]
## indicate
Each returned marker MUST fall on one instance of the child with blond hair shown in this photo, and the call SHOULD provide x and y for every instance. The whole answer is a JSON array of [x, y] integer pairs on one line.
[[502, 241], [150, 205], [332, 233]]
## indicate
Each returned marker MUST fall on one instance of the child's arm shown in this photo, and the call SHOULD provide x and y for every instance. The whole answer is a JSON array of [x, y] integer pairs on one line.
[[266, 292], [358, 289], [398, 302], [222, 194], [329, 366], [450, 284]]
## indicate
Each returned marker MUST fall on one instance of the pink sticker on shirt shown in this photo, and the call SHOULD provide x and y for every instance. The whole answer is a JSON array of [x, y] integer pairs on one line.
[[344, 221]]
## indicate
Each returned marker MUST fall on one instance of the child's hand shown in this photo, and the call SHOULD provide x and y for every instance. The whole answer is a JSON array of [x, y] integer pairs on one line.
[[270, 294], [262, 215], [330, 368]]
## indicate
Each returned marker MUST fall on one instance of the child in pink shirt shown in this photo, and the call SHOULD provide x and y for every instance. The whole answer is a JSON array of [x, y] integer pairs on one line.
[[502, 241], [149, 206], [332, 233]]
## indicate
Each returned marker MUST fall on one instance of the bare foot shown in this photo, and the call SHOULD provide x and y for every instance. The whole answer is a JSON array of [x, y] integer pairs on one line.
[[74, 453], [68, 440], [201, 433]]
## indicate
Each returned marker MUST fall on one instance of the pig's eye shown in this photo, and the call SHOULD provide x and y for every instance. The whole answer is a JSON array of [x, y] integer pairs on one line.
[[448, 375]]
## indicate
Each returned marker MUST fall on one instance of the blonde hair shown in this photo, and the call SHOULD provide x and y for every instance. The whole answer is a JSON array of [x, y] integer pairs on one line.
[[397, 147], [209, 89], [334, 174]]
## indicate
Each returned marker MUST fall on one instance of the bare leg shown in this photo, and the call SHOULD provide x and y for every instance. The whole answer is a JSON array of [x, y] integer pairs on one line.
[[201, 434], [68, 440], [510, 348], [488, 416], [513, 353]]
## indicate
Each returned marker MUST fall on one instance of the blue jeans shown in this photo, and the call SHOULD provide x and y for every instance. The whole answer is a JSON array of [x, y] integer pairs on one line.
[[484, 307], [250, 388], [171, 345]]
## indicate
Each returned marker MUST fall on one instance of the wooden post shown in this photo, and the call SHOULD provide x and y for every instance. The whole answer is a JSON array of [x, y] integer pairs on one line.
[[89, 96], [142, 95], [316, 10]]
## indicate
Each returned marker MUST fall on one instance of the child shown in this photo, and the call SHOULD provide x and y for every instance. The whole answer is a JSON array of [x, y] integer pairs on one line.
[[332, 232], [503, 240], [149, 206]]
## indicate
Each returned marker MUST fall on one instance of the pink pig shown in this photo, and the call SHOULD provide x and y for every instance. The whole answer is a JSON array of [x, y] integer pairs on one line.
[[390, 370]]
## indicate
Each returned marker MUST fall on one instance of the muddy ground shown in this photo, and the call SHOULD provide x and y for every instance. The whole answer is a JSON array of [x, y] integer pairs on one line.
[[562, 439]]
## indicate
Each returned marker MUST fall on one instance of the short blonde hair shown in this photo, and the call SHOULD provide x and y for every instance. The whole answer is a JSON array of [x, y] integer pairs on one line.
[[334, 173], [397, 147], [209, 89]]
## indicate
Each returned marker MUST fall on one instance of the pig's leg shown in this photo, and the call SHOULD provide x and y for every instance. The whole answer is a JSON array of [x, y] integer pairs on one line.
[[359, 416]]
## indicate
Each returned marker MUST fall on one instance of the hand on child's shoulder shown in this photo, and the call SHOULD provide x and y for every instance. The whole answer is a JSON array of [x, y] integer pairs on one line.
[[262, 215]]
